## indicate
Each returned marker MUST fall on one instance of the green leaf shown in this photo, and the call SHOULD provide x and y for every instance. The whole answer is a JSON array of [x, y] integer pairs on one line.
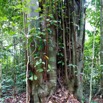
[[40, 70], [38, 10], [35, 78]]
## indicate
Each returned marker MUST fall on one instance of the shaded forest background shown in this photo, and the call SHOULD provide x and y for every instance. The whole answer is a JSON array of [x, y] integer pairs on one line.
[[51, 45]]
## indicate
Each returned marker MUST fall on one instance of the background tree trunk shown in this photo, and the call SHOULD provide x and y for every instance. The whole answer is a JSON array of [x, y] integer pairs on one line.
[[80, 46]]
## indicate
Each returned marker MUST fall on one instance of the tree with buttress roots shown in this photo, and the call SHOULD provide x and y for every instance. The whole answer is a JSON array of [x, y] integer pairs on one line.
[[56, 30]]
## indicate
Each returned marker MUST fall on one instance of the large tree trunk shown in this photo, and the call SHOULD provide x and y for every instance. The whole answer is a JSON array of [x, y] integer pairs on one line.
[[63, 46], [46, 81], [70, 34]]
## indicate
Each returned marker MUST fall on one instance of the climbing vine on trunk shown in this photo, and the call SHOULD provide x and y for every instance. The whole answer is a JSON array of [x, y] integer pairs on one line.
[[61, 26]]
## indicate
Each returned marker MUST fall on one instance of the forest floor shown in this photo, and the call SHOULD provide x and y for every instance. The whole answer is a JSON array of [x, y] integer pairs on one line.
[[60, 96]]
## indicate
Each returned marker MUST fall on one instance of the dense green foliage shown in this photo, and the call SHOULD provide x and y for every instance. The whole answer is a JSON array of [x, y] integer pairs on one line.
[[13, 45], [92, 48]]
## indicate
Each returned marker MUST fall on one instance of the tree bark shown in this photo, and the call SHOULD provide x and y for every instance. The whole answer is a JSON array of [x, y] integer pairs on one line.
[[33, 85], [71, 45], [80, 46]]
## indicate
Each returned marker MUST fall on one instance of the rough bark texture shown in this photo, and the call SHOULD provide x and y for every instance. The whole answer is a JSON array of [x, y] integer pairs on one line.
[[33, 84], [63, 25], [80, 42], [46, 81]]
